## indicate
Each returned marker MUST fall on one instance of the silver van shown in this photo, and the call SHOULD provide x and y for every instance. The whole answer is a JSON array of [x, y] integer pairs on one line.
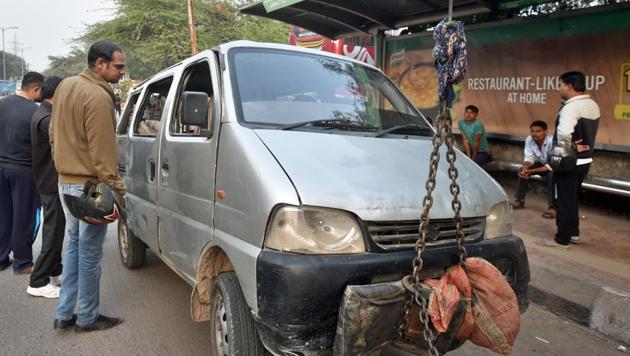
[[270, 177]]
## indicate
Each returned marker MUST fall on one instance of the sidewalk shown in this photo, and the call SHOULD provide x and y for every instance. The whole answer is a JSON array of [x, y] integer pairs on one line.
[[590, 282]]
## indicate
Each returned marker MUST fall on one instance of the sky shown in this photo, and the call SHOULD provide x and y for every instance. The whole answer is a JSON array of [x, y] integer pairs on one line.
[[46, 27]]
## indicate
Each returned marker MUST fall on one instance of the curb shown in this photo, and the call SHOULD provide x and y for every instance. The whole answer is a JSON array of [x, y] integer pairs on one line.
[[611, 314], [602, 308]]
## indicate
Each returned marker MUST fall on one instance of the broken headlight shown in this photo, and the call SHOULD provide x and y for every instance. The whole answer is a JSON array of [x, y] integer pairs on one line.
[[312, 230], [499, 221]]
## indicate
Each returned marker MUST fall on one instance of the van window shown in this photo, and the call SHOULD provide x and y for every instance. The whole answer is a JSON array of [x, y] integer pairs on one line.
[[123, 126], [277, 89], [196, 78], [148, 119]]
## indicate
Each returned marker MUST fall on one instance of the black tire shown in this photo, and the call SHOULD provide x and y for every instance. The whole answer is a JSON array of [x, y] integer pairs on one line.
[[132, 250], [232, 330]]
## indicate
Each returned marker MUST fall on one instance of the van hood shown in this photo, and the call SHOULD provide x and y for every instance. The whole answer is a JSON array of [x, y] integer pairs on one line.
[[378, 179]]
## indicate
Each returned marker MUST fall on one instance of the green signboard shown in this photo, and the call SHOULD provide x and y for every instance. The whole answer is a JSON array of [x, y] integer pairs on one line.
[[273, 5]]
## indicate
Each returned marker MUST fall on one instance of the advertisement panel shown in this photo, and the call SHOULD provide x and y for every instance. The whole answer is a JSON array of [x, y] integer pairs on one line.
[[358, 47], [513, 71]]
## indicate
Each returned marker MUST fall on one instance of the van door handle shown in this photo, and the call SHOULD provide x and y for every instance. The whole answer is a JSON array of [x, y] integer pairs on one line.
[[151, 173], [165, 168]]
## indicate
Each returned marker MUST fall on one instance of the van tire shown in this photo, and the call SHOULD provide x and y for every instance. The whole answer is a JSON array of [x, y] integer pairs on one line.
[[231, 319], [132, 250]]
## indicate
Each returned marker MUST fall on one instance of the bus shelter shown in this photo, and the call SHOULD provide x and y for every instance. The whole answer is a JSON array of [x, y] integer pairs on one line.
[[338, 18], [513, 68]]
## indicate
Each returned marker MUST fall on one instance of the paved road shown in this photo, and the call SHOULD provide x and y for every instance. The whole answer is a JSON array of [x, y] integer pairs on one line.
[[155, 304]]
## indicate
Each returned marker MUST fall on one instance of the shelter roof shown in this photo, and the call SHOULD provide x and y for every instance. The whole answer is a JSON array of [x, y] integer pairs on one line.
[[336, 18]]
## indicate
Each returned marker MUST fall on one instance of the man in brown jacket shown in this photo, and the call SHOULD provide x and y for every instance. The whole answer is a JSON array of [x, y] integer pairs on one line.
[[83, 140]]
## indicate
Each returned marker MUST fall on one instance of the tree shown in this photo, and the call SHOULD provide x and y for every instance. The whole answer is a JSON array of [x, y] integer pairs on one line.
[[154, 33], [555, 6], [14, 66], [524, 8], [68, 65]]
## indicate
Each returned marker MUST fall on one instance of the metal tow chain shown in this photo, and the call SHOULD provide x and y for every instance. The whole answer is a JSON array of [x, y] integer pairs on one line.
[[442, 135], [455, 190]]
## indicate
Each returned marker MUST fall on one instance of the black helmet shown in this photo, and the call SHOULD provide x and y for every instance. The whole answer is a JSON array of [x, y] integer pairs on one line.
[[97, 205], [562, 158]]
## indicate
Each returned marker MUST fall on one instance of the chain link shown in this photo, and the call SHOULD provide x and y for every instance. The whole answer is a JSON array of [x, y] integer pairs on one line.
[[443, 134], [455, 190]]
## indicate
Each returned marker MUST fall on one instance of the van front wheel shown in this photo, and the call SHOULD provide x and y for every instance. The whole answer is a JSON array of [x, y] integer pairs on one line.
[[232, 327], [132, 249]]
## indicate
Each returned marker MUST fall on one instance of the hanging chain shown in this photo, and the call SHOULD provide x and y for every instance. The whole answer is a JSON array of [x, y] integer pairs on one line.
[[455, 190], [444, 134], [416, 295]]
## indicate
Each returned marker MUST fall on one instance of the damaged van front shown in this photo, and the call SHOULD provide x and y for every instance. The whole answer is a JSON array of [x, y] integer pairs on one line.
[[271, 178], [349, 156]]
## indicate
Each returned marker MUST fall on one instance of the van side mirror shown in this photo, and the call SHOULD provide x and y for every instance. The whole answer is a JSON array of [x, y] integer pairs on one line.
[[195, 109]]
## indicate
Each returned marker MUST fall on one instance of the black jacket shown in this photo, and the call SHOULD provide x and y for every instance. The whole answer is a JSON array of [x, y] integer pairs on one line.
[[15, 137], [578, 121], [43, 167]]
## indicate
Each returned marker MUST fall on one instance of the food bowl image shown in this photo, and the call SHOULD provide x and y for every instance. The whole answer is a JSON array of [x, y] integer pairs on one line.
[[419, 82]]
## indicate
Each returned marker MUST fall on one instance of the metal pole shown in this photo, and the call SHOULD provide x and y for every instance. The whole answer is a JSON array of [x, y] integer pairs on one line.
[[450, 10], [23, 60], [4, 60], [379, 46], [191, 28]]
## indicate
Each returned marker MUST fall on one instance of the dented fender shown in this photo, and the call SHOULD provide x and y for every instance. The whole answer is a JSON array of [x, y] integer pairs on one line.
[[213, 261]]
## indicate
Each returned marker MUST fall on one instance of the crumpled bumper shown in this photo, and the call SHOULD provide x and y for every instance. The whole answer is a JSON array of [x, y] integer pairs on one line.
[[299, 295]]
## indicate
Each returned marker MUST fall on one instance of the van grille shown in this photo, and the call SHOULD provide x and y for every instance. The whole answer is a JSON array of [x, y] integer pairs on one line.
[[403, 234]]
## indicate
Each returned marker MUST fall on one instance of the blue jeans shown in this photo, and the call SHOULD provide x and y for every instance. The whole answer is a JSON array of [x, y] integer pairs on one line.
[[81, 274], [483, 158]]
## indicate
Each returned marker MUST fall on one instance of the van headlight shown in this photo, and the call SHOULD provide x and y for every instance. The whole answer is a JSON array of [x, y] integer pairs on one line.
[[499, 221], [313, 230]]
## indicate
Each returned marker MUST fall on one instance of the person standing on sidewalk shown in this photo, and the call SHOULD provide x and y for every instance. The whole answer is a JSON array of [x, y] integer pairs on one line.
[[19, 201], [536, 151], [46, 276], [83, 140], [576, 124]]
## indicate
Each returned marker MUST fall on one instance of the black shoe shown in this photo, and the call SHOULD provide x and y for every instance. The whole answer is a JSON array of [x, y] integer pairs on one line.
[[3, 267], [64, 324], [25, 270], [101, 323]]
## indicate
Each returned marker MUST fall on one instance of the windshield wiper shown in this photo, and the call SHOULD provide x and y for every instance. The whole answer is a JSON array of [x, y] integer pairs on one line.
[[336, 123], [401, 127]]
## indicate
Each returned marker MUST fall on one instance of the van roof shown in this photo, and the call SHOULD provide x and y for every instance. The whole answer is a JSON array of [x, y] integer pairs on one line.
[[223, 48], [251, 44]]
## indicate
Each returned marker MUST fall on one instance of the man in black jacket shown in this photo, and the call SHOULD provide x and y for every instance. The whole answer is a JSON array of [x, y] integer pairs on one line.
[[19, 199], [576, 125], [46, 276]]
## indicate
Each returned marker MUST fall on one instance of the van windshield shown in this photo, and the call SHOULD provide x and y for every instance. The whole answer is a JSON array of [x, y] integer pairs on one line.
[[288, 90]]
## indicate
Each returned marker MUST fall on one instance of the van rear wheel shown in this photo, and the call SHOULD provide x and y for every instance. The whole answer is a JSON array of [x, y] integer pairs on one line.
[[232, 327], [132, 249]]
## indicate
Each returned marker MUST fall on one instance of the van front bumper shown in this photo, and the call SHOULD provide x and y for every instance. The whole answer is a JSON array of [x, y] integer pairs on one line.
[[299, 295]]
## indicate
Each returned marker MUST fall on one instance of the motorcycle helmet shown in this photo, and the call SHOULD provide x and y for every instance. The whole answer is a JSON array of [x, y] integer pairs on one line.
[[562, 158], [97, 205]]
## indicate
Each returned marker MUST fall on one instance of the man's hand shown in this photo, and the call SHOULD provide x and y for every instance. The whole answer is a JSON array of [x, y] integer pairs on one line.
[[581, 148], [524, 172], [466, 145], [120, 199]]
